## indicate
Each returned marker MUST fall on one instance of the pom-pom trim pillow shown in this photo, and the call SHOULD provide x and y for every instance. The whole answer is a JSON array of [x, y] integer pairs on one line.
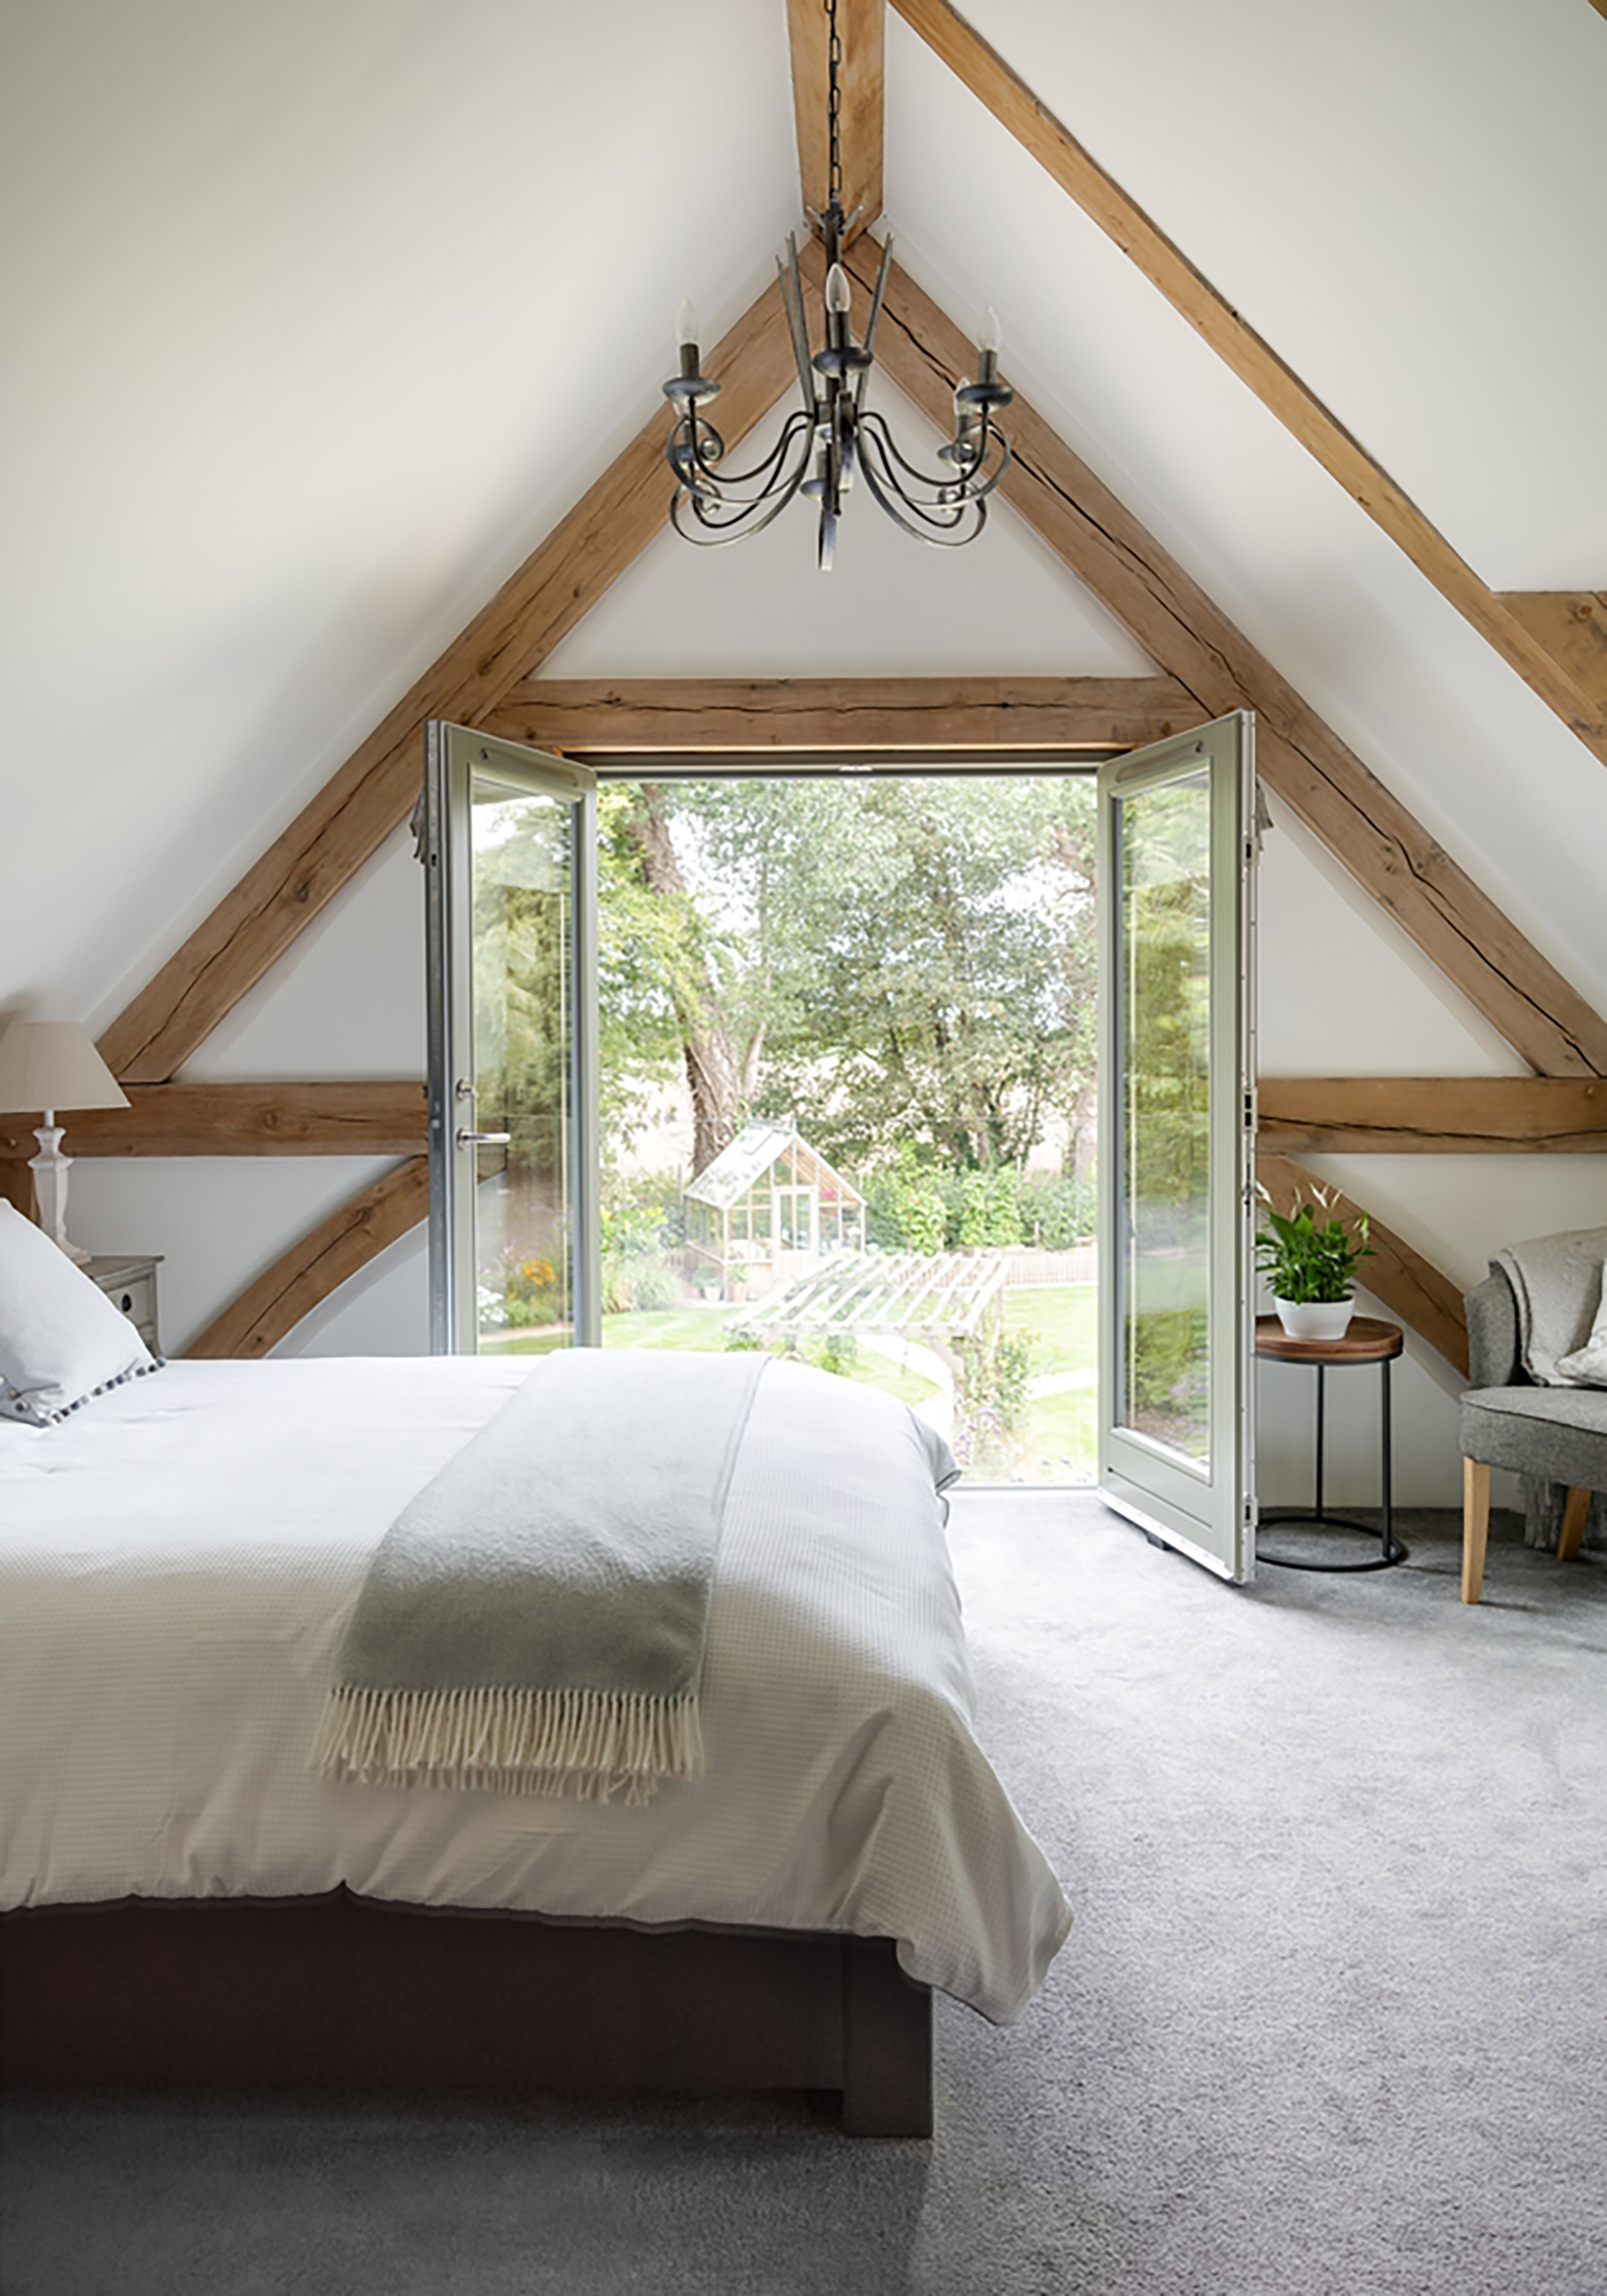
[[62, 1340]]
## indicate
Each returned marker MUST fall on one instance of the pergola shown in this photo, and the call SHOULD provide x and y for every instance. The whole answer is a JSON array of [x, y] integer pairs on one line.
[[935, 1298]]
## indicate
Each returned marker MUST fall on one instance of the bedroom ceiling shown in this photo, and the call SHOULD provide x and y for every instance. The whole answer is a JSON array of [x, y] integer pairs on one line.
[[327, 312]]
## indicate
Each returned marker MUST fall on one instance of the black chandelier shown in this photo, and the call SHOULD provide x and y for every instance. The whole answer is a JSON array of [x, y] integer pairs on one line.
[[832, 436]]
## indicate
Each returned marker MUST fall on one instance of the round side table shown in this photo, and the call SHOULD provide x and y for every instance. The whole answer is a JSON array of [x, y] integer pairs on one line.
[[1368, 1341]]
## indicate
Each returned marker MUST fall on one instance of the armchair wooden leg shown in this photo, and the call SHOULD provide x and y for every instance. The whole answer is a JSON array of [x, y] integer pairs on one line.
[[1475, 1526], [1571, 1534]]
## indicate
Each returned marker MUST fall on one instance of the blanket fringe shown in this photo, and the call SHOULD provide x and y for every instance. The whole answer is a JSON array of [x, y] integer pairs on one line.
[[589, 1743]]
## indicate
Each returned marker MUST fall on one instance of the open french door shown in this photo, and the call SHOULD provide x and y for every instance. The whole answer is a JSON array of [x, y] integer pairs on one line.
[[511, 849], [1176, 1141]]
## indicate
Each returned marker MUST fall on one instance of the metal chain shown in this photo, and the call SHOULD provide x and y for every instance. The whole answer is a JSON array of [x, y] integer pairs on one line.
[[833, 104]]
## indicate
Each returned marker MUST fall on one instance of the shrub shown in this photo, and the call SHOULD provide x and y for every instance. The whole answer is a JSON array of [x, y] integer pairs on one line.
[[906, 1206], [1057, 1212], [990, 1214]]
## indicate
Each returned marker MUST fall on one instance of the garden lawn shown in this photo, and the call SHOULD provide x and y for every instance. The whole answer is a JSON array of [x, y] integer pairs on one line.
[[701, 1331], [1059, 1321]]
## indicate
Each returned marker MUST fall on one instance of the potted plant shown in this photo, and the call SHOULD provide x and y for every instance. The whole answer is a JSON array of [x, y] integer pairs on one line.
[[1311, 1269]]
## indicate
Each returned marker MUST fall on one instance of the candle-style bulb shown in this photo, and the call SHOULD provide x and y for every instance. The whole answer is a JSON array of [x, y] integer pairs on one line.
[[687, 324], [838, 294], [991, 337]]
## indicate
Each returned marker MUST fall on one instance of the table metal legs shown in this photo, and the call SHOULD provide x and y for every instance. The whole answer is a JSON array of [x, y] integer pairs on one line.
[[1319, 1518]]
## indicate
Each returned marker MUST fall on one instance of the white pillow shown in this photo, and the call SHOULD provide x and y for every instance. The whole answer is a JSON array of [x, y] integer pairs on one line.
[[1586, 1366], [62, 1340]]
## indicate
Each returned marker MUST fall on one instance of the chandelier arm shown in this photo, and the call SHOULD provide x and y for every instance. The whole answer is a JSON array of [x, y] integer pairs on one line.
[[740, 525], [924, 532], [876, 425], [941, 531], [795, 424]]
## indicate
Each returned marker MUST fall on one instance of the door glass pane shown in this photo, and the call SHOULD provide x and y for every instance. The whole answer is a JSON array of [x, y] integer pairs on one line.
[[523, 1080], [1164, 1048]]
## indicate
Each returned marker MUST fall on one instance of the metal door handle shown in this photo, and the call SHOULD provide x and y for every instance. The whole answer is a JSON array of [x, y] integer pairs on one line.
[[484, 1139]]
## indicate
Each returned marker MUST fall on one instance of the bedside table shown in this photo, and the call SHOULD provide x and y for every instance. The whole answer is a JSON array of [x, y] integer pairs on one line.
[[130, 1284]]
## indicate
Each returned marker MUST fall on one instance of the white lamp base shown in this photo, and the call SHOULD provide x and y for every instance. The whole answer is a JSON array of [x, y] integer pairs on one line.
[[50, 1168]]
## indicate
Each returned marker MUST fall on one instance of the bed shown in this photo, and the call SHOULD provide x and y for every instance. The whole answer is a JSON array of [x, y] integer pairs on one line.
[[185, 1900]]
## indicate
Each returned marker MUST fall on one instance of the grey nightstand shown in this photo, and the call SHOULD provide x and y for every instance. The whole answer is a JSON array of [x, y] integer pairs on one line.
[[130, 1284]]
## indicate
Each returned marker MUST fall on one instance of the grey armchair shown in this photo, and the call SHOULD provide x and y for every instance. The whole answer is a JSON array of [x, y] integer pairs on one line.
[[1558, 1432]]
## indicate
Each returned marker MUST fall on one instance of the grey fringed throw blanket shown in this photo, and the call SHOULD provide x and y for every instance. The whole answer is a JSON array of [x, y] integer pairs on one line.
[[535, 1619]]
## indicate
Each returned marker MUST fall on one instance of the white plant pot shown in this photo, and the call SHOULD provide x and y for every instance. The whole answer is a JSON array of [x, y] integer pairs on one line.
[[1315, 1319]]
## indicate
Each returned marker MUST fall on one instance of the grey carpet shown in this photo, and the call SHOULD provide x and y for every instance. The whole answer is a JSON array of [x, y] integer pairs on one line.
[[1332, 2018]]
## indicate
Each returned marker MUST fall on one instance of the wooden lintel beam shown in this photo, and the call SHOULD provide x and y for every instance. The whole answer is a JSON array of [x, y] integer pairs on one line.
[[1057, 150], [1540, 1015], [312, 1266], [1410, 1286], [375, 789], [229, 1119], [861, 31], [1494, 1116], [693, 715]]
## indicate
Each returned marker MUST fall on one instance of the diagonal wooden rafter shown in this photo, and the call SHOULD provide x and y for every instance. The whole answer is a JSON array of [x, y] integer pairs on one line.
[[1540, 1015], [861, 27], [1571, 625], [1581, 705]]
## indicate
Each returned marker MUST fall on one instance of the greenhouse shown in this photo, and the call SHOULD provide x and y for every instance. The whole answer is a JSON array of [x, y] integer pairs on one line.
[[769, 1206]]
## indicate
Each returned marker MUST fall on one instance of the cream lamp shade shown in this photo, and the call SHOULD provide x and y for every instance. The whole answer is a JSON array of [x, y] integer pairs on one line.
[[47, 1065]]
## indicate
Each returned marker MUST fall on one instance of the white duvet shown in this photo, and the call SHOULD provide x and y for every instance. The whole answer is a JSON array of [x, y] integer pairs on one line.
[[176, 1565]]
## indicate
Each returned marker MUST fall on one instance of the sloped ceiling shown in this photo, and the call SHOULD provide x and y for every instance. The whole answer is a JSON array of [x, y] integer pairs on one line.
[[324, 313]]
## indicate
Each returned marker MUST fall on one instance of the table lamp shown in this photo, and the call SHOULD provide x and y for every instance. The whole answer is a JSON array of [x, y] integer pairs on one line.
[[47, 1065]]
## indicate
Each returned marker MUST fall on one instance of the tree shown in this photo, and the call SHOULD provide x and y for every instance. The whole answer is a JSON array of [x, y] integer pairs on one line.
[[915, 958], [720, 1054]]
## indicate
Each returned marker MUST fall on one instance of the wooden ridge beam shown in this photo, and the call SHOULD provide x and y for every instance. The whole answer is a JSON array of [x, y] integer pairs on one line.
[[228, 1119], [375, 789], [1540, 1015], [862, 36], [706, 715], [984, 72], [1492, 1115], [312, 1266], [1426, 1300]]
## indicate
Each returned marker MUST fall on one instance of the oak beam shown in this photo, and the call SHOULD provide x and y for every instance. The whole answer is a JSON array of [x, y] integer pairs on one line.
[[318, 1262], [1426, 1300], [1491, 1116], [1299, 758], [702, 715], [862, 36], [228, 1119], [1571, 625], [375, 791], [984, 72]]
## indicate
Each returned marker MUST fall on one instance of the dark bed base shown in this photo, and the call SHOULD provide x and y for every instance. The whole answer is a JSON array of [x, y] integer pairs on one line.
[[345, 1992]]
